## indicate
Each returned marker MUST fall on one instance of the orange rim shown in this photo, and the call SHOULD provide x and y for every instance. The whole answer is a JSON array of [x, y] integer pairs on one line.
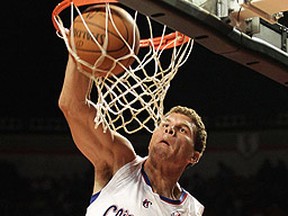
[[167, 42]]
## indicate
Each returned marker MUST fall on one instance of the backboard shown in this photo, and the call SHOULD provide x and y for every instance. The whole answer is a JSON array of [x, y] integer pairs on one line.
[[247, 32]]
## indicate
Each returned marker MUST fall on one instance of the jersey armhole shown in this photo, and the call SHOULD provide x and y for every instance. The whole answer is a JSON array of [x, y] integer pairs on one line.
[[94, 197], [123, 172]]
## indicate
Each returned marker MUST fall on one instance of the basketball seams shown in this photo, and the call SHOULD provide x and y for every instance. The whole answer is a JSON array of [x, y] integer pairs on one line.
[[116, 36]]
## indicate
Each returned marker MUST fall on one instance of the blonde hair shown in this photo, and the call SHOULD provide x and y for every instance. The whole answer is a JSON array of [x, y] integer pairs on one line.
[[200, 132]]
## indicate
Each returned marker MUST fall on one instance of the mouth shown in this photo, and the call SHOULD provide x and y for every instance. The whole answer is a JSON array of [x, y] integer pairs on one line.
[[165, 142]]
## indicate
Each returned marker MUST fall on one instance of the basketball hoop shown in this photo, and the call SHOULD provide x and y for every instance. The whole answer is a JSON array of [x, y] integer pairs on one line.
[[133, 99], [166, 40]]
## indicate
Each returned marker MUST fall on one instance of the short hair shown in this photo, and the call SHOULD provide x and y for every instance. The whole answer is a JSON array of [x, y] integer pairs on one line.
[[200, 132]]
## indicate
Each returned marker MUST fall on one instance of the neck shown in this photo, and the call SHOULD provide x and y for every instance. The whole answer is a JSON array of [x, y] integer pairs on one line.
[[163, 179]]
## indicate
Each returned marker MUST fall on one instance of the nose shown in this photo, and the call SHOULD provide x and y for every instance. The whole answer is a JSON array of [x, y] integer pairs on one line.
[[170, 130]]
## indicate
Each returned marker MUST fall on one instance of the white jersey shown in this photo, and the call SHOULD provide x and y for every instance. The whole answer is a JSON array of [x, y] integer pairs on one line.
[[129, 193]]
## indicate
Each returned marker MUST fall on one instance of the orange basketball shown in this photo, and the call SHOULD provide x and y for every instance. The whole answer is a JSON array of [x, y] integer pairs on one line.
[[109, 39]]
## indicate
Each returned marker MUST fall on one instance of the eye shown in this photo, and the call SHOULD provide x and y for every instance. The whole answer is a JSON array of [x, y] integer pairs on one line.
[[183, 130], [164, 124]]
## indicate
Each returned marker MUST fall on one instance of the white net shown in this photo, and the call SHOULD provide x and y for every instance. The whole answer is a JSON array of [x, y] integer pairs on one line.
[[133, 99]]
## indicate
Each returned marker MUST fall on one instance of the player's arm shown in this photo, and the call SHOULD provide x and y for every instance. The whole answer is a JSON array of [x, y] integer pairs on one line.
[[106, 152]]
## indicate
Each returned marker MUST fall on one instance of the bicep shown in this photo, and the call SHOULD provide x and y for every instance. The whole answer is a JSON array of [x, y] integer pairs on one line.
[[98, 147]]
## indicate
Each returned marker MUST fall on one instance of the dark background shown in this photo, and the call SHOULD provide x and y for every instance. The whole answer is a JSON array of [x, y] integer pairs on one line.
[[32, 69]]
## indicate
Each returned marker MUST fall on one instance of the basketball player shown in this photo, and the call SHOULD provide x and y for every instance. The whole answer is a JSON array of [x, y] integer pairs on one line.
[[126, 184]]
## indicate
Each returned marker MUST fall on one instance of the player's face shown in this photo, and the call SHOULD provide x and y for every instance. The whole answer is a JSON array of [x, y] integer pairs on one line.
[[173, 140]]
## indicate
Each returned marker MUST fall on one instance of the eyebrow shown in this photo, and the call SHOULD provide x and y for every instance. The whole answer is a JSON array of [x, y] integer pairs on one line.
[[185, 123], [166, 119]]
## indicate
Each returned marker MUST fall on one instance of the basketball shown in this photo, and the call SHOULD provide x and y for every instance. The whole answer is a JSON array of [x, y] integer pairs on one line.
[[111, 35]]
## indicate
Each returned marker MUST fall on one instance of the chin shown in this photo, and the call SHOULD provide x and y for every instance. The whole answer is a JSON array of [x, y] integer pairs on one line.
[[159, 154]]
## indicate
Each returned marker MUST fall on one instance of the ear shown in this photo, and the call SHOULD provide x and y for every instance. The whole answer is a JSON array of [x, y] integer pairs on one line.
[[195, 158]]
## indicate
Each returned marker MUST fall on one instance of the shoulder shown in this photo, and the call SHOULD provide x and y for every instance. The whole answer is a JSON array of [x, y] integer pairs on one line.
[[131, 166], [195, 205], [129, 171], [105, 179]]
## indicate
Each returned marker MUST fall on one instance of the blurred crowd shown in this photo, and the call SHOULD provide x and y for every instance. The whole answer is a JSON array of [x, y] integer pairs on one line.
[[225, 194]]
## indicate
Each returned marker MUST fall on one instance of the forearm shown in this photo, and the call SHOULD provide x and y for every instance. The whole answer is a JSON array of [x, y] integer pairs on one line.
[[74, 90]]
